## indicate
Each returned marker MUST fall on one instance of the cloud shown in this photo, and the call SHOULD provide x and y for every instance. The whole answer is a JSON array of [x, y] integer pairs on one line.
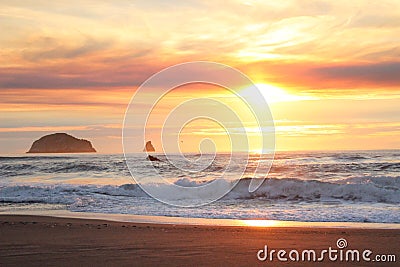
[[49, 48], [87, 74], [379, 21], [346, 78], [378, 74], [59, 45]]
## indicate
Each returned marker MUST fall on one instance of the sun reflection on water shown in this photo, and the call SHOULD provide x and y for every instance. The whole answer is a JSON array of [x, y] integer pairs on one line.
[[259, 223]]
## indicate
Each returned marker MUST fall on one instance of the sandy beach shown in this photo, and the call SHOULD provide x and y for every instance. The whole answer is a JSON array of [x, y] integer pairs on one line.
[[50, 241]]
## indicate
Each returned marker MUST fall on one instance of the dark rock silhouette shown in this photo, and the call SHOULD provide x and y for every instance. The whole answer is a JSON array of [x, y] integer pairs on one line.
[[152, 158], [60, 143], [149, 147]]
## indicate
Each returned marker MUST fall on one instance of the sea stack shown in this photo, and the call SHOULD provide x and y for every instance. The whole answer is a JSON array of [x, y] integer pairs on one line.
[[61, 143], [149, 147]]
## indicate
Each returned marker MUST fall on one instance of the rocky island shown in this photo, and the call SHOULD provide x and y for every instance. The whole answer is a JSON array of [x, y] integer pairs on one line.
[[61, 143], [149, 147]]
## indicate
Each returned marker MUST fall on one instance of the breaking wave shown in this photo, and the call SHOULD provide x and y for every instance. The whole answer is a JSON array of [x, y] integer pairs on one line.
[[365, 189]]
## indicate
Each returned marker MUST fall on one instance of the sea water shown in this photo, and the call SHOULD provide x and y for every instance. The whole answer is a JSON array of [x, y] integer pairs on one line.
[[351, 186]]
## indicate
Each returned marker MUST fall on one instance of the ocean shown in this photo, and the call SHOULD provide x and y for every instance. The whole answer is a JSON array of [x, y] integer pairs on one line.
[[350, 186]]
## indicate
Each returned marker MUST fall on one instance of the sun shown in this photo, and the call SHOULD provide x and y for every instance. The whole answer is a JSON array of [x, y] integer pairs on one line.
[[273, 94]]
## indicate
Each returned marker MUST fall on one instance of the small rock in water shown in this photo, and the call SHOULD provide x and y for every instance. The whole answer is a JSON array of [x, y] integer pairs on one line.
[[152, 158]]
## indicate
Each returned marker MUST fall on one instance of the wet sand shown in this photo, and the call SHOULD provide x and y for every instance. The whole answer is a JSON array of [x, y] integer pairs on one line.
[[50, 241]]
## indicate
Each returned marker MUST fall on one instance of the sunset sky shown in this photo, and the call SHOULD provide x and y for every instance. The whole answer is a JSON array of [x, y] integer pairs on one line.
[[329, 69]]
